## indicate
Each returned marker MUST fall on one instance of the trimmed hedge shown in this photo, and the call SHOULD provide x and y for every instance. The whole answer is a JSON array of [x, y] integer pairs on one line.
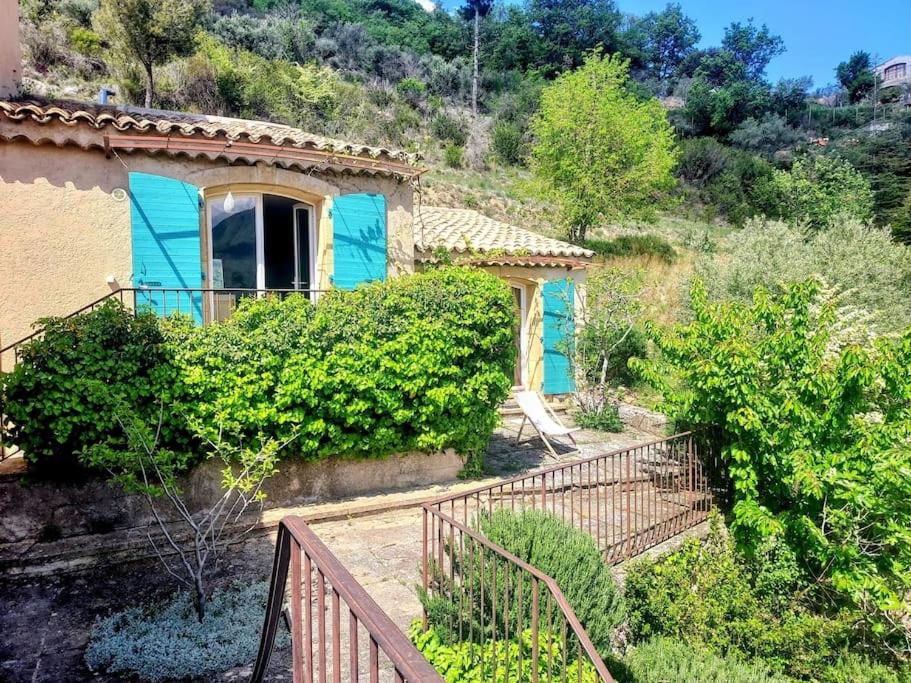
[[420, 362]]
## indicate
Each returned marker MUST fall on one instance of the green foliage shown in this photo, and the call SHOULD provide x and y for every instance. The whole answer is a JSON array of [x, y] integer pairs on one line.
[[813, 433], [61, 396], [736, 183], [449, 129], [85, 41], [411, 90], [454, 155], [607, 419], [465, 662], [819, 188], [766, 136], [633, 245], [664, 39], [753, 46], [856, 75], [854, 668], [866, 269], [166, 641], [571, 558], [606, 353], [149, 32], [705, 596], [600, 153], [662, 660], [507, 142]]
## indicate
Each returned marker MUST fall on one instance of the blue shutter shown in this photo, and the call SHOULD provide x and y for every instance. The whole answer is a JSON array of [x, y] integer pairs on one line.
[[358, 239], [559, 332], [164, 215]]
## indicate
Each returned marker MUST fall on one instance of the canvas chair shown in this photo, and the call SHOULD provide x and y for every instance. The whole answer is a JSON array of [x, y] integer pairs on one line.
[[536, 411]]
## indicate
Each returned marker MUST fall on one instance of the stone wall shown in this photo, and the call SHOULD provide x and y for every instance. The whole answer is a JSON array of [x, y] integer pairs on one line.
[[95, 517]]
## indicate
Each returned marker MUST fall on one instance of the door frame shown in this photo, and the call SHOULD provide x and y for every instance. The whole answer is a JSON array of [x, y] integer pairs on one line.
[[260, 231], [312, 238], [523, 331]]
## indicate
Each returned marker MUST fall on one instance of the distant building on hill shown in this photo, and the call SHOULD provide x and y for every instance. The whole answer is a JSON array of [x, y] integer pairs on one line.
[[896, 73]]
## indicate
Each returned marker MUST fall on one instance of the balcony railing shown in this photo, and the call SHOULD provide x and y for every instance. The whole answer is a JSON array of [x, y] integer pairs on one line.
[[338, 632]]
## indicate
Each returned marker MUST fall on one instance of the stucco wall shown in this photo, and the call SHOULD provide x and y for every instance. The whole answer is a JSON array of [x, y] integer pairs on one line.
[[62, 232]]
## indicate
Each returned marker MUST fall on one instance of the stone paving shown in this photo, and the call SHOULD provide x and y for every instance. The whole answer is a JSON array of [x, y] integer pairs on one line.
[[45, 621]]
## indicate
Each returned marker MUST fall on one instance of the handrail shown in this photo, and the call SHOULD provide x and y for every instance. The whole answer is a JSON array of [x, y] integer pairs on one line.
[[569, 614], [628, 499], [295, 538]]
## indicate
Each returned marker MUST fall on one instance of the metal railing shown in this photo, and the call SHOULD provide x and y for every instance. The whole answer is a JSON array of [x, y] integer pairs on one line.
[[324, 644], [629, 499], [514, 618], [205, 305]]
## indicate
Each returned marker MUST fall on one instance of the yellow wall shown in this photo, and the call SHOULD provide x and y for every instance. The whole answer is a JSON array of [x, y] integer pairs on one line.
[[532, 279], [63, 232]]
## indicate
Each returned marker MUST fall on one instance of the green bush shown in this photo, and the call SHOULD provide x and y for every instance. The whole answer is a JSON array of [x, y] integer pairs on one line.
[[854, 668], [507, 142], [706, 595], [861, 263], [607, 419], [666, 660], [447, 128], [633, 245], [819, 188], [511, 659], [453, 156], [167, 641], [61, 397], [411, 90], [571, 558], [813, 434]]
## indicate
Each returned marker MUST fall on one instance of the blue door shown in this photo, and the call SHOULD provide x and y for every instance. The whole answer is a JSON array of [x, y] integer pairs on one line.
[[358, 239], [559, 333], [164, 215]]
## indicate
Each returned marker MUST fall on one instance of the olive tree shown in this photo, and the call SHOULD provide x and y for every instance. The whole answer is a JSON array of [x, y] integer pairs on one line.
[[600, 153]]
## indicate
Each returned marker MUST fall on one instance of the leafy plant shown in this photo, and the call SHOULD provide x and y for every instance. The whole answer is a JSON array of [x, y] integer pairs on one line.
[[813, 434], [661, 660], [454, 156], [166, 641], [512, 659], [600, 153], [607, 419], [819, 188], [507, 142], [61, 396]]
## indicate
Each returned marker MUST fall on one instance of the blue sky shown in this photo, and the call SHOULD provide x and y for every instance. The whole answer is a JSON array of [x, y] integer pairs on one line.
[[818, 34]]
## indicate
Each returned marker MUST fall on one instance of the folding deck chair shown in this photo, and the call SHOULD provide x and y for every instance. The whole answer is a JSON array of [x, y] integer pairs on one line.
[[543, 419]]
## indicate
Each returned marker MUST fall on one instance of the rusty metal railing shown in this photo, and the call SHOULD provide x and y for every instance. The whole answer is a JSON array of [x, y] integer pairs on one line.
[[326, 646], [629, 499], [514, 618]]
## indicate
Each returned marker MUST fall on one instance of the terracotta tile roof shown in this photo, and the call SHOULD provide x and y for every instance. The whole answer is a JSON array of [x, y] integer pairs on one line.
[[115, 120], [464, 231]]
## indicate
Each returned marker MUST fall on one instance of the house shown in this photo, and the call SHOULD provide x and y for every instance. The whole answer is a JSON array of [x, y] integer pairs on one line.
[[195, 211], [896, 73]]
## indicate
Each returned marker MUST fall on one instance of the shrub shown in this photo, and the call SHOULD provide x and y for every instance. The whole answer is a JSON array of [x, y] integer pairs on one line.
[[819, 188], [511, 659], [765, 136], [60, 398], [569, 556], [166, 641], [454, 155], [634, 245], [449, 129], [411, 90], [706, 595], [507, 142], [813, 434], [860, 262], [661, 660], [607, 419], [854, 668]]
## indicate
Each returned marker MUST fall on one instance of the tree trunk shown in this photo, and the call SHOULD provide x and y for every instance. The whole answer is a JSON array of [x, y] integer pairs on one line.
[[199, 599], [150, 85], [474, 79]]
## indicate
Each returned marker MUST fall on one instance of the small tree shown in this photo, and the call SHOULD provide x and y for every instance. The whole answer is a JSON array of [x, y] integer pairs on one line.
[[856, 75], [474, 10], [149, 31], [189, 543], [819, 188], [600, 153]]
